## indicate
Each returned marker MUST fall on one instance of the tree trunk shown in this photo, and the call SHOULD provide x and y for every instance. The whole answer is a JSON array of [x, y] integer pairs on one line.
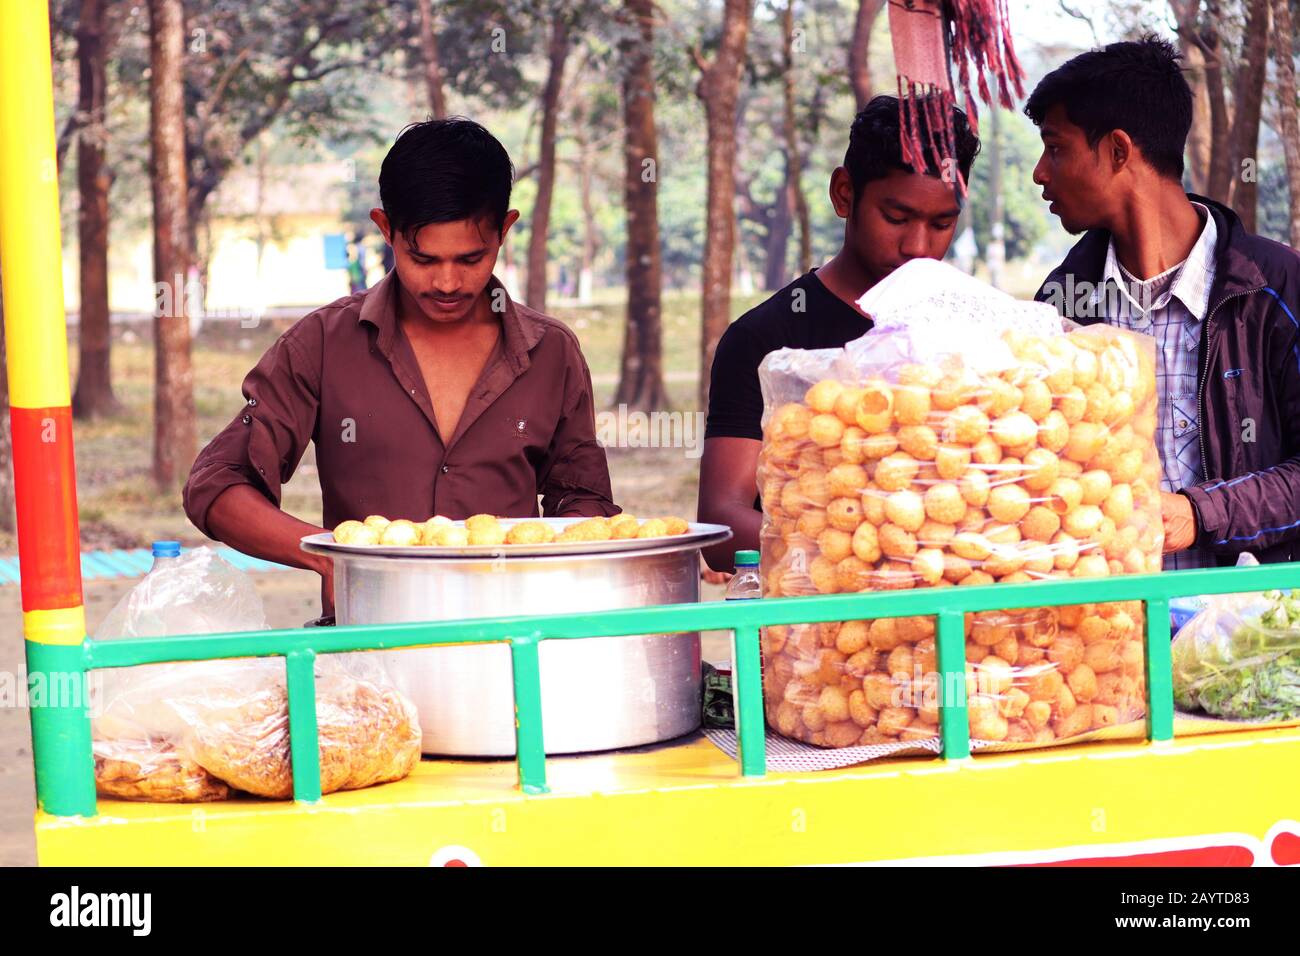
[[1220, 178], [1248, 89], [174, 426], [641, 380], [558, 53], [1186, 15], [93, 397], [860, 50], [779, 220], [718, 88], [7, 517], [793, 154], [1283, 44], [590, 230], [432, 69]]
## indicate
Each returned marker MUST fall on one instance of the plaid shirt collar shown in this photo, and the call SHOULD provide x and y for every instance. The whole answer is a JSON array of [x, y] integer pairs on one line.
[[1195, 277]]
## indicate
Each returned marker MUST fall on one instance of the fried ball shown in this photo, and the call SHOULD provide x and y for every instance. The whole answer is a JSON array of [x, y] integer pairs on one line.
[[677, 526], [653, 528], [844, 733], [791, 421], [1040, 523], [494, 533], [936, 534], [846, 405], [893, 576], [1013, 429], [400, 532], [1102, 656], [836, 545], [451, 536], [919, 441], [834, 704], [895, 472], [965, 425], [971, 545], [826, 431], [1041, 468], [974, 485], [905, 509], [1054, 432], [822, 396], [851, 637], [896, 542], [1064, 495], [860, 712], [1037, 399], [986, 451], [875, 447], [847, 480], [1096, 486], [892, 720], [955, 568], [1078, 722], [821, 571], [865, 543], [844, 514], [852, 574], [928, 565], [1008, 503], [363, 535], [875, 409], [378, 522], [951, 461], [911, 404], [873, 506], [853, 445], [479, 521], [1082, 521], [530, 532], [1098, 405], [1086, 439], [944, 503], [345, 531], [1118, 505], [623, 527]]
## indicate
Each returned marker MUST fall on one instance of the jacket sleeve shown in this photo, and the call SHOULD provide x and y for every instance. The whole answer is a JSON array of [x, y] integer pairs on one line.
[[264, 442], [1260, 510], [576, 478]]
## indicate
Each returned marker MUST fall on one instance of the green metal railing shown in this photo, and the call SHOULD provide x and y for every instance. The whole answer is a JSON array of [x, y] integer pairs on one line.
[[61, 728]]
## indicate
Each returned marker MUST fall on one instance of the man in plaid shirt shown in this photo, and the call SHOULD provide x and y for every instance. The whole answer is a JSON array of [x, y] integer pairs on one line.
[[1220, 302]]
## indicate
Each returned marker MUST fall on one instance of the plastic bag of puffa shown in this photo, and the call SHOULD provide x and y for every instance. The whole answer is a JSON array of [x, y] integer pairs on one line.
[[968, 438], [202, 730]]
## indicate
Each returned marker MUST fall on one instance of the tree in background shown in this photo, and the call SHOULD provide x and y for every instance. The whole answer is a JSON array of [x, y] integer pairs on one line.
[[93, 396], [1289, 126], [557, 54], [718, 88], [1248, 103], [641, 380], [860, 49], [1024, 215], [429, 51], [794, 196], [174, 426]]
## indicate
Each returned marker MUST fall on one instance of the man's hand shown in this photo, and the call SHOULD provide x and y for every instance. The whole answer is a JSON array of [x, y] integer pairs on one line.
[[1179, 518]]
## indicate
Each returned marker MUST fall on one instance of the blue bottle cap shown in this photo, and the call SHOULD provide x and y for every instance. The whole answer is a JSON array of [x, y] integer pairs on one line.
[[166, 549]]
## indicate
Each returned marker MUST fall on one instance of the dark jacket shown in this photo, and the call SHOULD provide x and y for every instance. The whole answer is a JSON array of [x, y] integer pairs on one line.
[[1249, 391]]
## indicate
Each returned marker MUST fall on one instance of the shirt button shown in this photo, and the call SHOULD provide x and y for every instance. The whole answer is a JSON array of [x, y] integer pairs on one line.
[[445, 469], [247, 419], [1182, 423], [252, 402]]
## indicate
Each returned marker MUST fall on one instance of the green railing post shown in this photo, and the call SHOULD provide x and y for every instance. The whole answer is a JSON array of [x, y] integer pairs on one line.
[[954, 725], [751, 726], [304, 739], [530, 747], [58, 700], [1160, 671]]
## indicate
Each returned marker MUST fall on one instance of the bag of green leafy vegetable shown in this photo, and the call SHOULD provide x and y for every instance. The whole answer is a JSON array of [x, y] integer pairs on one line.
[[1239, 658]]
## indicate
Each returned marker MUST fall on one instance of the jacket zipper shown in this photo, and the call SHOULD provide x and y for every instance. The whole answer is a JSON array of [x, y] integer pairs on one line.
[[1205, 374]]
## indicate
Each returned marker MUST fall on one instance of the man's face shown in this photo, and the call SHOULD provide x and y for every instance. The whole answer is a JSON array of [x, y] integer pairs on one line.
[[900, 217], [1074, 178], [444, 267]]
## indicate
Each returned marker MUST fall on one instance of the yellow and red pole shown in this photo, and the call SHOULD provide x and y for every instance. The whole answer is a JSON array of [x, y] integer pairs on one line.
[[40, 414]]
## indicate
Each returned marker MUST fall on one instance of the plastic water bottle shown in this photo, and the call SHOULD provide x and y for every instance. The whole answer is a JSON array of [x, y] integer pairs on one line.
[[165, 552], [746, 584]]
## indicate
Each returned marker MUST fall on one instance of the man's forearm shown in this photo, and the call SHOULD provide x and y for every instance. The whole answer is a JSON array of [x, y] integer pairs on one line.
[[242, 518], [745, 524]]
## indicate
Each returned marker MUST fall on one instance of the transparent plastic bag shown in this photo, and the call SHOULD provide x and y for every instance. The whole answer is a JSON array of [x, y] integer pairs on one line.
[[922, 455], [1239, 657], [192, 731]]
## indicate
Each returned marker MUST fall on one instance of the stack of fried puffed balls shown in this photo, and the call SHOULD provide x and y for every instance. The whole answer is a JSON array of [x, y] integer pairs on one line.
[[485, 529]]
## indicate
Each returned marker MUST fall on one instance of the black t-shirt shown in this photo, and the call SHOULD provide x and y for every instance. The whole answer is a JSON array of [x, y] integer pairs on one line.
[[803, 315]]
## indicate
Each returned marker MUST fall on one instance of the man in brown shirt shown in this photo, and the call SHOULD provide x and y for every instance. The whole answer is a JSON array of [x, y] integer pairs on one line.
[[431, 393]]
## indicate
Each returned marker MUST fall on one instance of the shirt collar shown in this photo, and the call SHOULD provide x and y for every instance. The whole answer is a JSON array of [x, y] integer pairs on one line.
[[521, 327], [1195, 277]]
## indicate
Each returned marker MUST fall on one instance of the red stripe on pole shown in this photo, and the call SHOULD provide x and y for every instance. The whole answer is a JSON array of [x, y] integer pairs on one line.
[[45, 493]]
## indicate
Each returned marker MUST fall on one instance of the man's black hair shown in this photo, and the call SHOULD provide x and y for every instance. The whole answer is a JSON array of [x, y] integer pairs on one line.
[[875, 150], [445, 170], [1137, 86]]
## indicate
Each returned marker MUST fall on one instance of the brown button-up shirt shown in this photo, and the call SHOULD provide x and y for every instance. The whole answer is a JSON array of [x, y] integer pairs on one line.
[[346, 377]]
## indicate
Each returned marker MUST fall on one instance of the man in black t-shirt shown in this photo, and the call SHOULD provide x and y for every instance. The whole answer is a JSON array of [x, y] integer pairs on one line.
[[892, 215]]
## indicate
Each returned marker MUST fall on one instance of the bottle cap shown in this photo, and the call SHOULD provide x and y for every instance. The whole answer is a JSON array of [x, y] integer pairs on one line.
[[166, 549], [746, 559]]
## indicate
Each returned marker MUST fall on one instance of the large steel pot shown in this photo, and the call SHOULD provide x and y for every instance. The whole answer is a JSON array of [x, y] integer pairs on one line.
[[597, 694]]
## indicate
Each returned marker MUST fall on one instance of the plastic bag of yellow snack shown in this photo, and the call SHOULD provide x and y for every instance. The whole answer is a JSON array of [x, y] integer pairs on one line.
[[195, 731], [967, 439]]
